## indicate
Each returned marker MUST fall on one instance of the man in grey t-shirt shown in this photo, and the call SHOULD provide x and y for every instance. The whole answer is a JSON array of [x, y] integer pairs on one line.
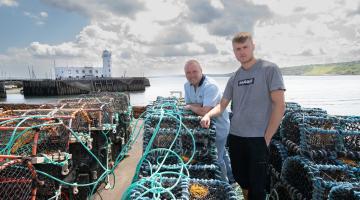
[[256, 90]]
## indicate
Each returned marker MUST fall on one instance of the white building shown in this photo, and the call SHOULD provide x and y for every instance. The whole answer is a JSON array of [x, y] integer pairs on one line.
[[106, 69], [86, 72]]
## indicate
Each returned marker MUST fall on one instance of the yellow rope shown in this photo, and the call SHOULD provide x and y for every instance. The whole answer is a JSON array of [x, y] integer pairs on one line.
[[198, 191]]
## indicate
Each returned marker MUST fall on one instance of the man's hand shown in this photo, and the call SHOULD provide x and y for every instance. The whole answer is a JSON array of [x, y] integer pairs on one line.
[[267, 140], [205, 121], [187, 107]]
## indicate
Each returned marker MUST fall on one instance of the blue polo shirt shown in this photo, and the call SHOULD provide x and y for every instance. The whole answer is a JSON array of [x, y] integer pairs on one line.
[[208, 94]]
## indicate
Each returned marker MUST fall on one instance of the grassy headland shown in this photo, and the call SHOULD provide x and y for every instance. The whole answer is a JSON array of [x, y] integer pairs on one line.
[[345, 68]]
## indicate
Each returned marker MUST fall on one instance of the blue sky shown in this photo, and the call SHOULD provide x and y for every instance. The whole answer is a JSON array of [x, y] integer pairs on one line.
[[157, 37], [19, 30]]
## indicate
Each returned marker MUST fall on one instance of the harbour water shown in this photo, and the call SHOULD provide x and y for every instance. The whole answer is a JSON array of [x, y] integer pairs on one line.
[[339, 95]]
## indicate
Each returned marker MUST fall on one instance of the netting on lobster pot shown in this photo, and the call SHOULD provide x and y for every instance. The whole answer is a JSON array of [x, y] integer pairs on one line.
[[192, 171], [50, 186], [319, 142], [17, 179], [316, 136], [164, 103], [345, 191], [7, 106], [290, 107], [198, 144], [205, 147], [331, 160], [278, 154], [329, 176], [350, 137], [158, 188], [44, 139], [298, 173], [200, 189], [280, 192], [173, 122], [119, 100], [290, 125], [163, 138], [179, 156], [314, 181]]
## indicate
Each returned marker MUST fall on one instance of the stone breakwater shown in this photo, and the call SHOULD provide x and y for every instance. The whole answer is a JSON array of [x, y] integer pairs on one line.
[[73, 87]]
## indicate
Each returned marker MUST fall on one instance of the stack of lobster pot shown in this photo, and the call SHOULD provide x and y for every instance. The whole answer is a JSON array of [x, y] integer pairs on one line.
[[315, 156], [63, 150], [179, 157]]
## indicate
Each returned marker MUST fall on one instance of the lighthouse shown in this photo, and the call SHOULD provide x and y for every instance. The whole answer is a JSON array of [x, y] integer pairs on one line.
[[106, 56]]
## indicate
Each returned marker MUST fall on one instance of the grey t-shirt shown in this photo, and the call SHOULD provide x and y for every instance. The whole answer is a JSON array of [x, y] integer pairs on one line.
[[249, 91]]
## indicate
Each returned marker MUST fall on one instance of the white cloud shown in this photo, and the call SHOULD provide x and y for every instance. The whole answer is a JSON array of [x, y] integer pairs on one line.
[[44, 14], [99, 9], [39, 18], [9, 3], [157, 37]]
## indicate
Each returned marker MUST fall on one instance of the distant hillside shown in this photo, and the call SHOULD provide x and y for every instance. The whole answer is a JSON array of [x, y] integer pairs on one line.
[[346, 68]]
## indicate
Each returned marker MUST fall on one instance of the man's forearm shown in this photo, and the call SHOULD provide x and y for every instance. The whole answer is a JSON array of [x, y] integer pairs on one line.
[[219, 108], [275, 119], [201, 111], [216, 111]]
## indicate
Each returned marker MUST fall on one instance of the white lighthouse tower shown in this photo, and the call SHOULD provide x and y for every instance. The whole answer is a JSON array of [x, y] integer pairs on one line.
[[106, 56]]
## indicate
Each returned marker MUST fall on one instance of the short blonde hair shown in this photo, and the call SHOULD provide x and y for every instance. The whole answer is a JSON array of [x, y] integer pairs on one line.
[[241, 37]]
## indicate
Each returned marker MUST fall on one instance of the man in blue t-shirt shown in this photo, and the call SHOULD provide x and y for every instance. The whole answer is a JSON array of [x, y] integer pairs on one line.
[[201, 95], [256, 90]]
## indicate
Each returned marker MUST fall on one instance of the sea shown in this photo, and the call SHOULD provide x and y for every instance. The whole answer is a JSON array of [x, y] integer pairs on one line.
[[338, 95]]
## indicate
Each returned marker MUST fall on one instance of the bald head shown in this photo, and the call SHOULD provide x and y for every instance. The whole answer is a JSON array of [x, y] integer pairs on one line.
[[193, 72], [192, 63]]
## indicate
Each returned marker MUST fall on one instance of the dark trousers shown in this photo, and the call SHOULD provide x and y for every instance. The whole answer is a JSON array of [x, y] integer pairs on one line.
[[249, 158]]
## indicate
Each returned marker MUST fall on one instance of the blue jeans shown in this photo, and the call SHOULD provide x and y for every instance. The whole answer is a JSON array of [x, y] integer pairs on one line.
[[229, 173], [224, 159]]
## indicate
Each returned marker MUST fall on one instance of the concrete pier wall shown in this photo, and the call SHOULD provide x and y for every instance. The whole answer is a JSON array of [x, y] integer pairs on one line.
[[73, 87], [2, 89]]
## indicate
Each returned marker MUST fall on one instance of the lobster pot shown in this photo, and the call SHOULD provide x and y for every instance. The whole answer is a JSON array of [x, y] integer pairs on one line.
[[200, 189], [205, 146], [161, 100], [120, 101], [290, 125], [312, 136], [345, 191], [278, 154], [314, 181], [166, 188], [163, 138], [17, 180], [297, 173], [350, 137], [163, 103], [290, 107], [47, 140], [281, 191], [179, 156], [192, 171], [330, 176], [50, 186], [173, 122], [183, 138]]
